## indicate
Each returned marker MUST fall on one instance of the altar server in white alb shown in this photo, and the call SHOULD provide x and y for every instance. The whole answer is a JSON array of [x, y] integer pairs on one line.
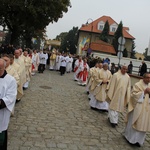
[[11, 71], [119, 89], [42, 58], [69, 64], [138, 122], [63, 64], [8, 92]]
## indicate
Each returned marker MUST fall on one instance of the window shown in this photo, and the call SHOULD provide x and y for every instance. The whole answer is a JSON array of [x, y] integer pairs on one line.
[[113, 29], [101, 27]]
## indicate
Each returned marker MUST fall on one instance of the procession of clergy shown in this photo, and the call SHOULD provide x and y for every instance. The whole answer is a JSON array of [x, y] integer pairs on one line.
[[112, 93], [15, 75], [107, 92], [24, 64]]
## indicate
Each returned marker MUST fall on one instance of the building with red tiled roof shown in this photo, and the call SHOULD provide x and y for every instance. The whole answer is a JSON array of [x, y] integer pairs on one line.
[[89, 35], [102, 47]]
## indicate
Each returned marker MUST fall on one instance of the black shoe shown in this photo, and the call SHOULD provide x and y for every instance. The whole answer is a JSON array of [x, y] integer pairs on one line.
[[24, 88], [112, 124], [103, 110], [94, 108], [18, 100], [137, 144], [87, 92]]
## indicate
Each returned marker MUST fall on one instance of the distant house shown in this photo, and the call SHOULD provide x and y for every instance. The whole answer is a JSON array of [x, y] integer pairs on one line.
[[88, 36], [139, 56]]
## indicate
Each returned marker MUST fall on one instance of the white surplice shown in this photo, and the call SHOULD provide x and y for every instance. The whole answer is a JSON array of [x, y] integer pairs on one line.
[[8, 92]]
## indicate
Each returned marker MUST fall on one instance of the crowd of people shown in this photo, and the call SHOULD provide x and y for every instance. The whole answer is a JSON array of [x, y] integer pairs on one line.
[[15, 75], [110, 91], [108, 87]]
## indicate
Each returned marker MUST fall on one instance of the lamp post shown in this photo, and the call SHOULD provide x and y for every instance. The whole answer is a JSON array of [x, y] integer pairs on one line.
[[87, 23]]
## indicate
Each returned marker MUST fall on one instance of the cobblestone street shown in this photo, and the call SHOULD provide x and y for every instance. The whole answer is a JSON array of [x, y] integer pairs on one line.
[[54, 114]]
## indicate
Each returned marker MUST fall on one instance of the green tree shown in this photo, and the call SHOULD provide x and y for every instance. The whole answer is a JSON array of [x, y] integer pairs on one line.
[[147, 58], [117, 34], [61, 36], [105, 33], [133, 52], [69, 42], [25, 17]]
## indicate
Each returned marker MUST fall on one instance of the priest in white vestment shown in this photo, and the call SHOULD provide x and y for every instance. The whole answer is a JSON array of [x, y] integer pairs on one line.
[[10, 69], [8, 92], [35, 62], [98, 101], [28, 68], [94, 82], [138, 118], [58, 61], [119, 89], [90, 77], [19, 59], [17, 69], [52, 60]]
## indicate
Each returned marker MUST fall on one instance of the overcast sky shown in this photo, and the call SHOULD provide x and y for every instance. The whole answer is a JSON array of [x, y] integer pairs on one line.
[[134, 14]]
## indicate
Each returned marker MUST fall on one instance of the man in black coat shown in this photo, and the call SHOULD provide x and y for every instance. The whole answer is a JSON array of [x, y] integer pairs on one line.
[[143, 68]]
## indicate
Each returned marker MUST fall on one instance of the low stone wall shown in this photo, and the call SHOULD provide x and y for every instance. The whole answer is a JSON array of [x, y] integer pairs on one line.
[[134, 79]]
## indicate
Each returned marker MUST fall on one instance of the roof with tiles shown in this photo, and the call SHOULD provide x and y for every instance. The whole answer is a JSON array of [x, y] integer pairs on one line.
[[94, 25], [104, 47]]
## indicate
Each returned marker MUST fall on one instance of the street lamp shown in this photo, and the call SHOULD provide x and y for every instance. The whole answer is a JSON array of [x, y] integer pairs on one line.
[[87, 23]]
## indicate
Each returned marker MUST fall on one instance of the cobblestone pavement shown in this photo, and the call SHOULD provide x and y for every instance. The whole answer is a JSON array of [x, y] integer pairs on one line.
[[54, 114]]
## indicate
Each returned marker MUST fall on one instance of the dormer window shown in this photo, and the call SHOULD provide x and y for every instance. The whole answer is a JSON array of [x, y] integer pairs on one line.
[[113, 29], [101, 27]]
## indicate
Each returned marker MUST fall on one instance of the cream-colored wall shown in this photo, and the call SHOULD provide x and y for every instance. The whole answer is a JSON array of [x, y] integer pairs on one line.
[[128, 46], [134, 80]]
